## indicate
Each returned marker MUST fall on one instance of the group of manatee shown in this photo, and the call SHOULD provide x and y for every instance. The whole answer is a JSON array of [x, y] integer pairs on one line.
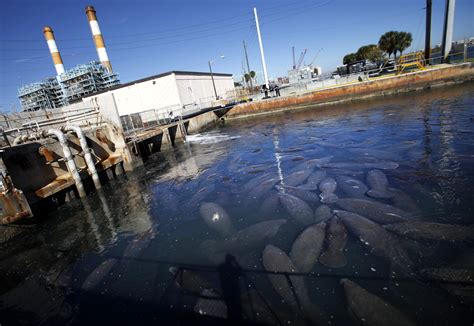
[[327, 206], [327, 202]]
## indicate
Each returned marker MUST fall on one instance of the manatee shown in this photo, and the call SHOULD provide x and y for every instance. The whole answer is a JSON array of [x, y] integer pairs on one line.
[[307, 247], [270, 205], [379, 154], [352, 187], [252, 236], [368, 309], [297, 208], [378, 212], [190, 281], [276, 260], [297, 178], [405, 202], [295, 293], [139, 244], [448, 275], [383, 243], [384, 165], [254, 182], [459, 282], [256, 193], [336, 238], [352, 173], [313, 180], [216, 218], [305, 195], [377, 180], [432, 231], [210, 304], [322, 214], [327, 187], [258, 309], [98, 274], [311, 164], [201, 195]]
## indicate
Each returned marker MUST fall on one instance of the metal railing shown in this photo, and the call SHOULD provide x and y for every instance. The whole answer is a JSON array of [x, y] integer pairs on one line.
[[25, 123], [149, 119], [370, 74]]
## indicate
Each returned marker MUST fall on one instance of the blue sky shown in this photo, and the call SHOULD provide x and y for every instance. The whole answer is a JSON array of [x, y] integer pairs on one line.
[[145, 37]]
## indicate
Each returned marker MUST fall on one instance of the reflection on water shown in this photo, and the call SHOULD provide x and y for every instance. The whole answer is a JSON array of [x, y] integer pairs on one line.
[[236, 203]]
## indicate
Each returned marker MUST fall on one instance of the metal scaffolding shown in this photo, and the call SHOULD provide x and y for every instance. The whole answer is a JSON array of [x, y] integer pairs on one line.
[[71, 85], [86, 79], [42, 95]]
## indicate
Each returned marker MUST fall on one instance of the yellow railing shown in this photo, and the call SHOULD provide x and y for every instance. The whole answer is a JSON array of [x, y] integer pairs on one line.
[[411, 60]]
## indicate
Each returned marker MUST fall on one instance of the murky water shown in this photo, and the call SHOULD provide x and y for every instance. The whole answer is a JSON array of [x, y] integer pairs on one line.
[[148, 245]]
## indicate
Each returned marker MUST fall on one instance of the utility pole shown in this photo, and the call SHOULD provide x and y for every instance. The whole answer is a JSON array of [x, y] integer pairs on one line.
[[261, 49], [428, 32], [448, 30], [212, 78], [248, 66]]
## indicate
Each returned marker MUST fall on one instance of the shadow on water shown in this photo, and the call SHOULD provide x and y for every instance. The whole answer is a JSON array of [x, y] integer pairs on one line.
[[229, 273]]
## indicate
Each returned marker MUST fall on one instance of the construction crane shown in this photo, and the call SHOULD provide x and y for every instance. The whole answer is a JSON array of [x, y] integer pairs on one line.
[[300, 60], [314, 59], [294, 63]]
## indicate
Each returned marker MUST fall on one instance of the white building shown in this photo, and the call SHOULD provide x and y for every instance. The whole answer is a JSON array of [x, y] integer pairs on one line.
[[166, 95]]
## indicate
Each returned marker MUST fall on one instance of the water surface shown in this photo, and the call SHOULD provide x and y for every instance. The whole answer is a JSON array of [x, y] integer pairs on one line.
[[147, 223]]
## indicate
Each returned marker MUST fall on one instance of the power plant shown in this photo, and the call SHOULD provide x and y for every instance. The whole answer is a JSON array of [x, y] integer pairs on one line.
[[71, 84]]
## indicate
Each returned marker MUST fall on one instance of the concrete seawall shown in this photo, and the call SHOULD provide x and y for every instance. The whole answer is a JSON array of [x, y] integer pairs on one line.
[[415, 81]]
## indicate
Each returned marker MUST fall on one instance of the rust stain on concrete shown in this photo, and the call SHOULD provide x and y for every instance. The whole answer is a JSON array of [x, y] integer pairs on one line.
[[378, 87]]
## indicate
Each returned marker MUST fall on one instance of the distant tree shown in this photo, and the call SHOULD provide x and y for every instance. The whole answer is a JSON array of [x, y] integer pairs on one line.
[[376, 55], [247, 77], [363, 51], [393, 42], [387, 43], [349, 58], [403, 41], [252, 74]]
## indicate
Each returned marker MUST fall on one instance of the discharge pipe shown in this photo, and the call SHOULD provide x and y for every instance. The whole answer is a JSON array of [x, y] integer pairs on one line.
[[69, 160], [87, 153]]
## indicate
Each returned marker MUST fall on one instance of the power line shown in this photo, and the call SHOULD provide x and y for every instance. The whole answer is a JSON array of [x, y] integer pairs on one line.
[[296, 11], [138, 34], [292, 4], [110, 45]]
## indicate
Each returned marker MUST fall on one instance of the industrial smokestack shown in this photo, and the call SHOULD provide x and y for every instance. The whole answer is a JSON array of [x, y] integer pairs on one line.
[[98, 39], [53, 49]]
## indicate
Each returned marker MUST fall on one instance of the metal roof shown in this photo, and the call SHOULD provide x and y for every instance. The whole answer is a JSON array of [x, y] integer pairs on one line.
[[176, 72]]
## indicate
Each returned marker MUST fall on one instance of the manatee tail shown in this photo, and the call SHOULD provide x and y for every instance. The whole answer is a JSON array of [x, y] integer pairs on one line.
[[333, 259], [383, 194], [329, 198]]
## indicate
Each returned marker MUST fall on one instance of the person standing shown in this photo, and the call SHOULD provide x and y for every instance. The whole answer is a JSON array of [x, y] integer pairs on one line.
[[277, 90]]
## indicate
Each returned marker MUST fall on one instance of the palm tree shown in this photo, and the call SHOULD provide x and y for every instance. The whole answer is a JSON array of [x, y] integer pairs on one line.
[[388, 43], [252, 75], [247, 78], [403, 41]]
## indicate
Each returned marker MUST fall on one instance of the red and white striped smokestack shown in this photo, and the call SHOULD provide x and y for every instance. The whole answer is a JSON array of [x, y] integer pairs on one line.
[[53, 49], [98, 39]]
